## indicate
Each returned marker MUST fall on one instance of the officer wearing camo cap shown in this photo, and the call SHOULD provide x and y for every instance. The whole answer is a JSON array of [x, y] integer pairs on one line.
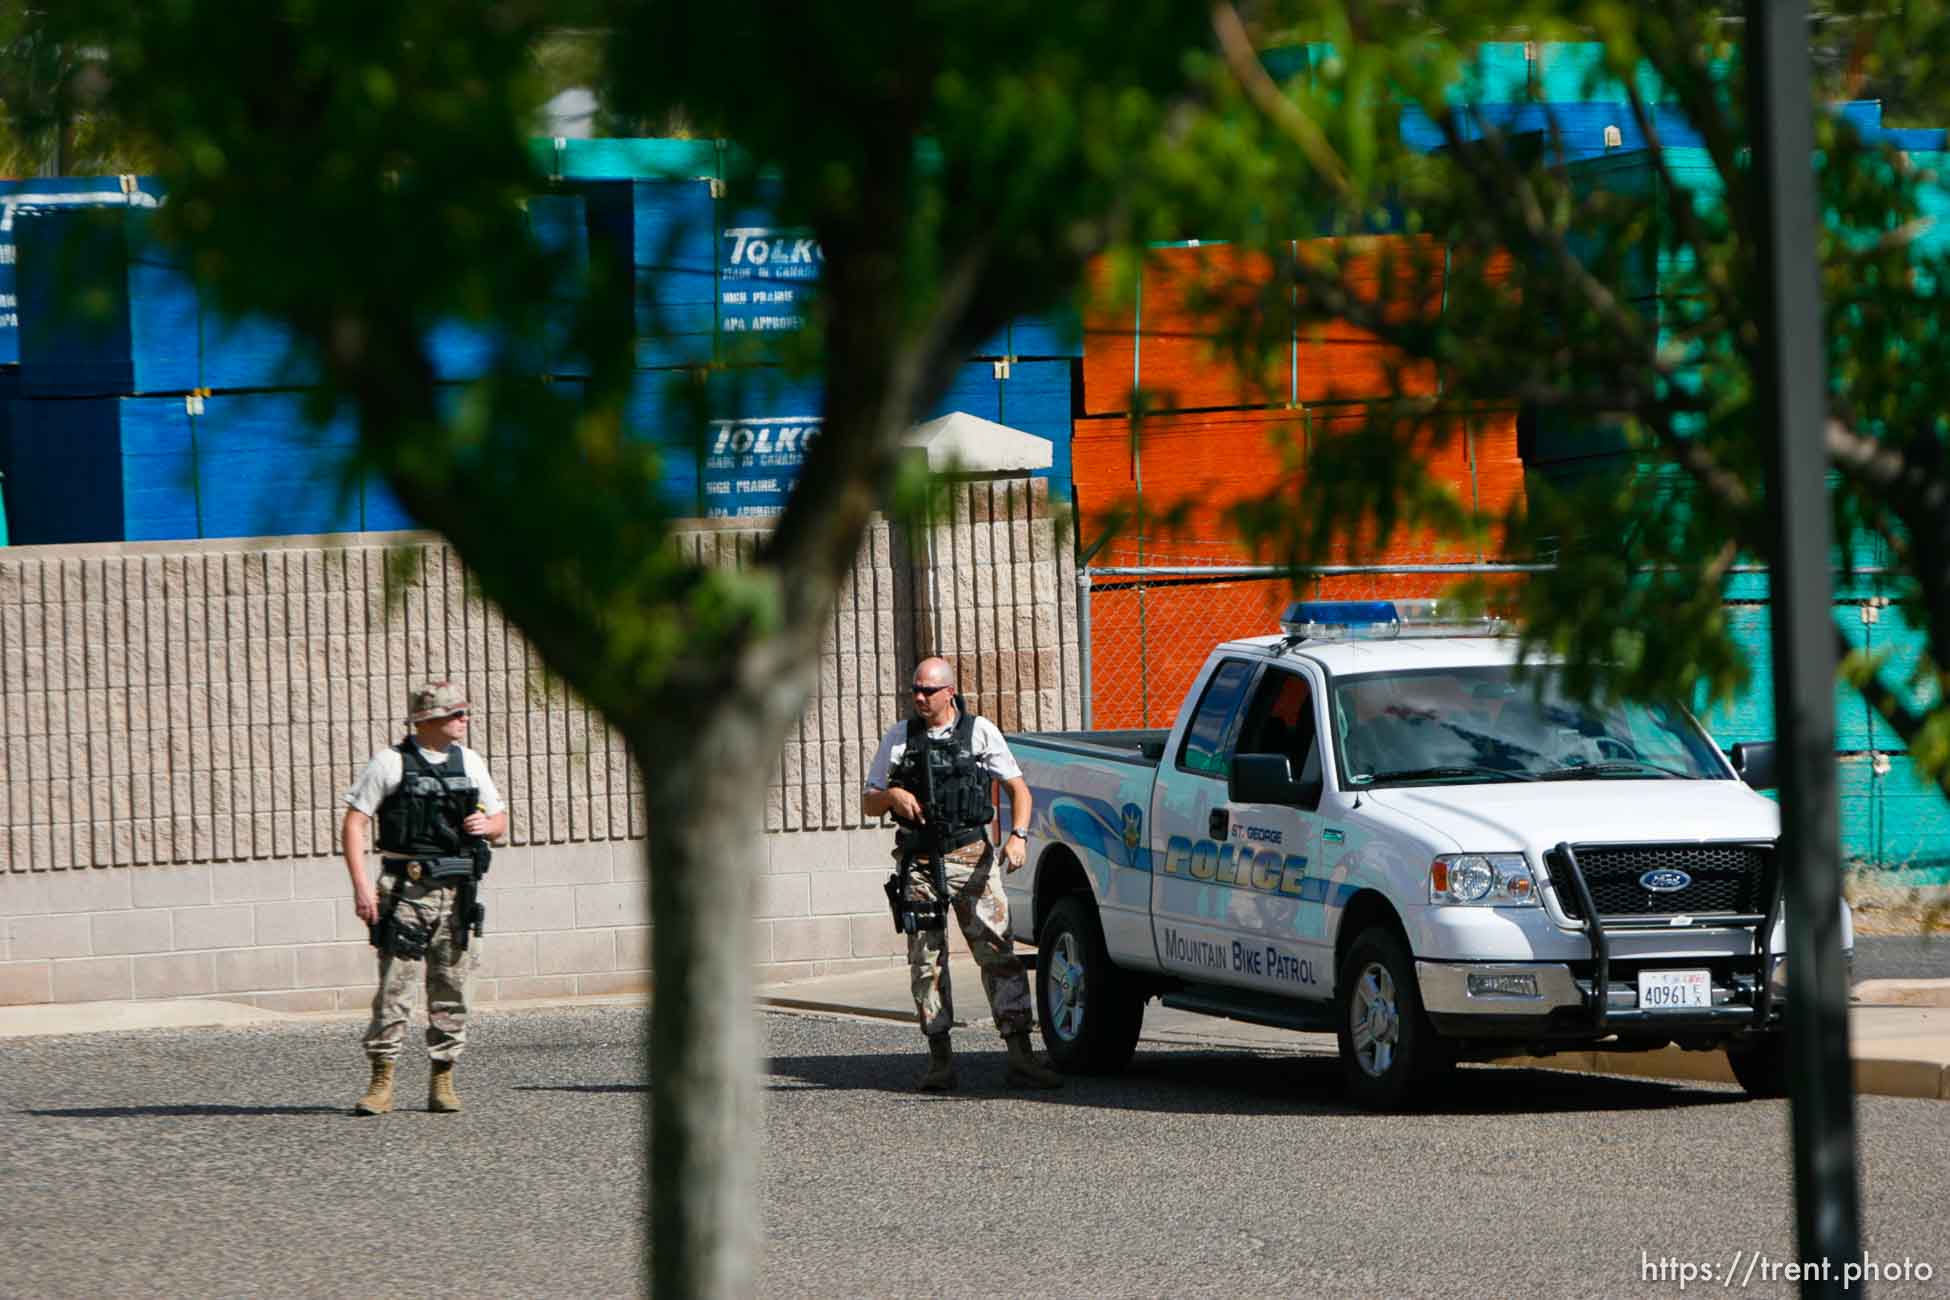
[[436, 805]]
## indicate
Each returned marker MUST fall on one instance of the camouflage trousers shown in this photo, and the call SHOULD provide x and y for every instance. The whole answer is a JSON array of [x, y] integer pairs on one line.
[[980, 907], [446, 970]]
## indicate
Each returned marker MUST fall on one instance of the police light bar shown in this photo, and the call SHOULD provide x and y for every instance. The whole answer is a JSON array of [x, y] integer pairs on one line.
[[1380, 620]]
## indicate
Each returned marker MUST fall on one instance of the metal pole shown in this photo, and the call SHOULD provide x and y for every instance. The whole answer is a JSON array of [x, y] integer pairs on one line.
[[1083, 642], [1791, 409]]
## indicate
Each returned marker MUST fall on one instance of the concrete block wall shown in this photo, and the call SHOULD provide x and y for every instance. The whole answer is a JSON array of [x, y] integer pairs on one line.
[[562, 920], [178, 722], [995, 592]]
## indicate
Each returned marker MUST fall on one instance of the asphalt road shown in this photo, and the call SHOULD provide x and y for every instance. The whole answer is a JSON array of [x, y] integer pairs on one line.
[[1902, 956], [222, 1162]]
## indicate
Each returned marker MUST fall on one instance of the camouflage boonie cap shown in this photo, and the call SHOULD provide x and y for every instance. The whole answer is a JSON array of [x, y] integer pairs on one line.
[[431, 701]]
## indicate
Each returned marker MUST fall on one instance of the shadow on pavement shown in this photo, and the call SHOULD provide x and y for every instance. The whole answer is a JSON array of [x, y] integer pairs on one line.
[[581, 1087], [160, 1112], [1244, 1083]]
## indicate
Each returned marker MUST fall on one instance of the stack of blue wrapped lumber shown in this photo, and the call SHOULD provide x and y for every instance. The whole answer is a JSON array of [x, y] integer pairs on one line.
[[720, 281], [137, 411]]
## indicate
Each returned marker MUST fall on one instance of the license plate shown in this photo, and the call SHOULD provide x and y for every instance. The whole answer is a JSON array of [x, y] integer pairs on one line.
[[1659, 989]]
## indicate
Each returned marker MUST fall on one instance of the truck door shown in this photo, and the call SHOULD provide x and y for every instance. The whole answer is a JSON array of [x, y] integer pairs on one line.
[[1190, 920], [1277, 905]]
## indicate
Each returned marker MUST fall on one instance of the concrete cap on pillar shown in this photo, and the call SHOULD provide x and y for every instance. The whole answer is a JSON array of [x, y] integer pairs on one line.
[[968, 444]]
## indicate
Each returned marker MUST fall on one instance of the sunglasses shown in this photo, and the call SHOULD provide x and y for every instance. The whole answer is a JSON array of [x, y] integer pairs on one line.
[[919, 689], [462, 715]]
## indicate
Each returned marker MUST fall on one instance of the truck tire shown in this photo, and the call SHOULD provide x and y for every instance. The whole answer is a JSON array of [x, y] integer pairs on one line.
[[1389, 1051], [1759, 1063], [1088, 1012]]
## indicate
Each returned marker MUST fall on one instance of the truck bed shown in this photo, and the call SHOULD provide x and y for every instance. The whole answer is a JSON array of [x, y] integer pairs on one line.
[[1092, 794], [1132, 745]]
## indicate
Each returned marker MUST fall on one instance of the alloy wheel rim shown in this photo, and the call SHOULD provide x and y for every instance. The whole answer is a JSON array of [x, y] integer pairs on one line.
[[1374, 1020], [1064, 987]]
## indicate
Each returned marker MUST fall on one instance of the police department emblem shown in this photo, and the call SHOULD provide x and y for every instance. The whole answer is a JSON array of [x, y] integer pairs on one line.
[[1133, 826]]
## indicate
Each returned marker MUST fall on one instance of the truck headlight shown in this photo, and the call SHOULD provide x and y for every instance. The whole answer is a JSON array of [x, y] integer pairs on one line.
[[1481, 880]]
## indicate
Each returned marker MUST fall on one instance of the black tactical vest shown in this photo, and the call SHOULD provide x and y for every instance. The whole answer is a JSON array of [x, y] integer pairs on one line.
[[954, 790], [422, 819]]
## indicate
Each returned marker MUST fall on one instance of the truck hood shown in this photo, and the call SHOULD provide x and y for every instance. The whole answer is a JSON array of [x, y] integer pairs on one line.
[[1538, 816]]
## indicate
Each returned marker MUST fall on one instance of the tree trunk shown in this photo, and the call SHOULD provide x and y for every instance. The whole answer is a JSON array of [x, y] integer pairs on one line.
[[704, 791]]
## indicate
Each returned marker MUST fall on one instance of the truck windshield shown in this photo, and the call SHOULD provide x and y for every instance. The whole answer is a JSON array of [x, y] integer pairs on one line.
[[1446, 726]]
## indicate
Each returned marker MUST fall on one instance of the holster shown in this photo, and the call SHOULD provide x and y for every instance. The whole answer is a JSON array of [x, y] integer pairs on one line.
[[395, 937], [915, 915], [408, 939]]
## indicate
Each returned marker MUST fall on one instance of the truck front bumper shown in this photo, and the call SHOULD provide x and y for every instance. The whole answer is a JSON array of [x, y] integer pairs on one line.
[[1549, 999], [1599, 998]]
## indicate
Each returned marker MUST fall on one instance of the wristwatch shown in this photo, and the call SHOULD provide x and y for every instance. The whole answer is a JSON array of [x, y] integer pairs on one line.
[[1019, 831]]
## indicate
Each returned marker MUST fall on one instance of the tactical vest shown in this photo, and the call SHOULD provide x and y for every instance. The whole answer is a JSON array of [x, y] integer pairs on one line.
[[422, 819], [957, 806]]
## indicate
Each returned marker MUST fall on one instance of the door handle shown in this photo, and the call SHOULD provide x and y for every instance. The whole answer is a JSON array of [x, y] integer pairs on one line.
[[1219, 822]]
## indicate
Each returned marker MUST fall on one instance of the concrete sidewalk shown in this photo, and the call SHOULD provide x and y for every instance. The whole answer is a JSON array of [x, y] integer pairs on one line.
[[1900, 1029], [47, 1019]]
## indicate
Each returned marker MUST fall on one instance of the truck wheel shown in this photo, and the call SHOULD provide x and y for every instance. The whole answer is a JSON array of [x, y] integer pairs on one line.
[[1090, 1016], [1760, 1064], [1389, 1050]]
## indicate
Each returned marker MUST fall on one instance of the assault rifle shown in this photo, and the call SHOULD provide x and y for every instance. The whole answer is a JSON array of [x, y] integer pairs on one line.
[[922, 846], [470, 915], [914, 915]]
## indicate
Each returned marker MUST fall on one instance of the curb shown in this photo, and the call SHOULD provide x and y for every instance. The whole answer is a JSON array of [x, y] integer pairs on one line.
[[56, 1019], [1875, 1076], [836, 1009], [1901, 993], [853, 1011], [47, 1019]]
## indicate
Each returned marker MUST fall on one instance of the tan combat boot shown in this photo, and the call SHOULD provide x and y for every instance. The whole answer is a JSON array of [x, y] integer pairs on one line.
[[1025, 1071], [441, 1097], [941, 1066], [379, 1093]]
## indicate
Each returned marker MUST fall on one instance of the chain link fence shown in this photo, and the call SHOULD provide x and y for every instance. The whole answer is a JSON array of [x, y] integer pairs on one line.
[[1146, 629]]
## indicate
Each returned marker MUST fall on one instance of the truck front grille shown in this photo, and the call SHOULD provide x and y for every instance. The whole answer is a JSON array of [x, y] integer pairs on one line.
[[1726, 879]]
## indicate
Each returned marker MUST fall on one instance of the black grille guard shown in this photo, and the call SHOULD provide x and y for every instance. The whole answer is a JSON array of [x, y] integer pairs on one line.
[[1598, 998]]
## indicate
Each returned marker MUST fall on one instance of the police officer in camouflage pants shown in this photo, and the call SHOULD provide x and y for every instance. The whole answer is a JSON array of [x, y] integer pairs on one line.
[[434, 801], [965, 754]]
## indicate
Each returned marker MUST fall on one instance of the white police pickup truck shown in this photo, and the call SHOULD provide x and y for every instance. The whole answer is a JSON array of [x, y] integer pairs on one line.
[[1381, 824]]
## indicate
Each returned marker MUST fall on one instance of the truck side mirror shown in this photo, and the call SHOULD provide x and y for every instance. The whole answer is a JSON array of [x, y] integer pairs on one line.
[[1268, 778], [1754, 761]]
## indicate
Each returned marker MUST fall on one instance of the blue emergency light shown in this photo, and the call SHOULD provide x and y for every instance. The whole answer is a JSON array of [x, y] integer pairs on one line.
[[1380, 620]]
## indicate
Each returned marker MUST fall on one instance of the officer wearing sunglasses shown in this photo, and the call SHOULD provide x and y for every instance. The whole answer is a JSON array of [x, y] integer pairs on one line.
[[437, 809], [932, 774]]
